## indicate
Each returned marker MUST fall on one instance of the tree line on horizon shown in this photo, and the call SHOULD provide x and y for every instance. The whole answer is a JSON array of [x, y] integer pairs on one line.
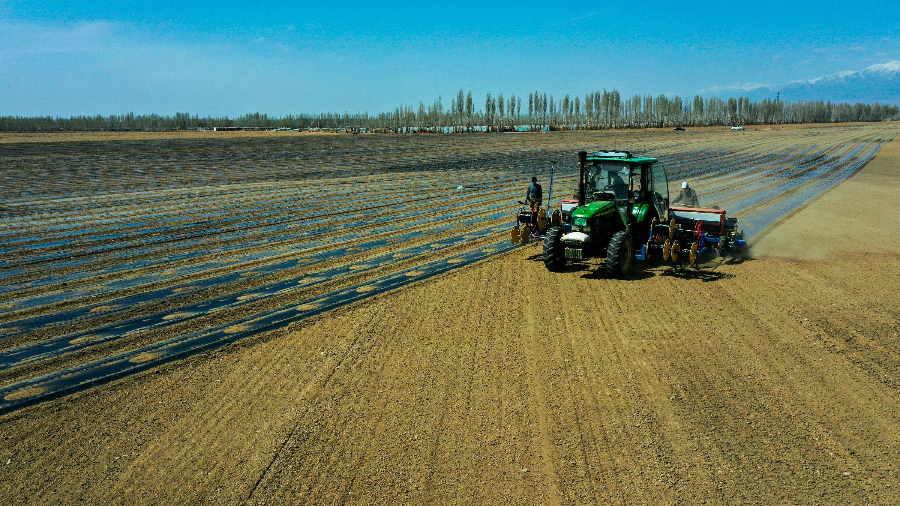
[[595, 111]]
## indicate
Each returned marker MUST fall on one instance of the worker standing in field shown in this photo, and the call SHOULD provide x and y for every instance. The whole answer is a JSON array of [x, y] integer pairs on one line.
[[534, 196], [687, 196]]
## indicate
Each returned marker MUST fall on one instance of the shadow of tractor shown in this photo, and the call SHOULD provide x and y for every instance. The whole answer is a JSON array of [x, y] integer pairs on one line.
[[649, 269], [596, 270], [703, 275]]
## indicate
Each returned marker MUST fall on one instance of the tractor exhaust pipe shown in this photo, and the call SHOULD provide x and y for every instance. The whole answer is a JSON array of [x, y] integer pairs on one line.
[[582, 161], [550, 195]]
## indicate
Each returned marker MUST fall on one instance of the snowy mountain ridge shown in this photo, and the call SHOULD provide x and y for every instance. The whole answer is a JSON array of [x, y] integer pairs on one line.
[[876, 83]]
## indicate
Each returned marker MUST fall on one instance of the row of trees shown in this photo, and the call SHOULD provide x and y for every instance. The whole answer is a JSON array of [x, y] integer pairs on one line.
[[596, 110]]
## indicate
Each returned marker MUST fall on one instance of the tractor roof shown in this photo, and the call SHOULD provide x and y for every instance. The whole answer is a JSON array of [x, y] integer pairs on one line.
[[633, 161]]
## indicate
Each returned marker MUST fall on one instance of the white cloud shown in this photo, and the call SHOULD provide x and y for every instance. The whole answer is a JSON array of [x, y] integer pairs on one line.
[[735, 87], [113, 68], [586, 16], [28, 38]]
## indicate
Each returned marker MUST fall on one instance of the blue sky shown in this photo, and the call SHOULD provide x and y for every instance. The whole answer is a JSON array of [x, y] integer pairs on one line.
[[62, 58]]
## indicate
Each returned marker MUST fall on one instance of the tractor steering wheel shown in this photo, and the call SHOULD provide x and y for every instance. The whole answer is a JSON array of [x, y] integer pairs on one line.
[[605, 195]]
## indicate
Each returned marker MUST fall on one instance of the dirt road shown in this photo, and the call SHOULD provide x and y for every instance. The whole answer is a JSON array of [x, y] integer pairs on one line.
[[773, 380]]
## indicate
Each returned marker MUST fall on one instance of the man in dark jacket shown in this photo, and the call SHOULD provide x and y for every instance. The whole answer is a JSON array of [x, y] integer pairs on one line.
[[687, 196], [534, 196], [619, 187]]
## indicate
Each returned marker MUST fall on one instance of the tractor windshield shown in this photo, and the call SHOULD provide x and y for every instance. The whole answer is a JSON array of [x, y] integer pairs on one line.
[[607, 181], [660, 187]]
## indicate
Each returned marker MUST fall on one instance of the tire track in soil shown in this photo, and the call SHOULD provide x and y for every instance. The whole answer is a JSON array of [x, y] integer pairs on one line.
[[386, 396], [324, 360], [540, 408], [582, 358], [590, 429], [349, 354]]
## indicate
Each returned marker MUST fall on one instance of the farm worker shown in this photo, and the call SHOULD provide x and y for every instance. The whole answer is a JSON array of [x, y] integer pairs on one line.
[[534, 196], [618, 185], [687, 195]]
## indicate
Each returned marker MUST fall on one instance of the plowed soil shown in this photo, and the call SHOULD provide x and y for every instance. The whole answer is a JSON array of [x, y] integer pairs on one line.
[[772, 380]]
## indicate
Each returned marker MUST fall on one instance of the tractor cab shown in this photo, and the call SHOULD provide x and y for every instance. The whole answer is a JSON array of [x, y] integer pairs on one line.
[[635, 186]]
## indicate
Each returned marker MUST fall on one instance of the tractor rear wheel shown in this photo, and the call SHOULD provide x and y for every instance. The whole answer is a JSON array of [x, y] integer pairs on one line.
[[620, 254], [554, 250]]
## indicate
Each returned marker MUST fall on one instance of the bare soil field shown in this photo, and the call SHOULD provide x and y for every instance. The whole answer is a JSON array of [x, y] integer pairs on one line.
[[414, 356]]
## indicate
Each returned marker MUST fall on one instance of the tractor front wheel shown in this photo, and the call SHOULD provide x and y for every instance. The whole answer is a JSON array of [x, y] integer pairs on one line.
[[620, 254], [554, 249]]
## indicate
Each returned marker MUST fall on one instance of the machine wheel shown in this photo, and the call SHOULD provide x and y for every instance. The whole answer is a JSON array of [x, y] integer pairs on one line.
[[555, 218], [514, 235], [524, 234], [554, 250], [620, 254]]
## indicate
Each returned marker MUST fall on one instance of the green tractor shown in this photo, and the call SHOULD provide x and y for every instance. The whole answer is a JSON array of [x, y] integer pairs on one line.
[[620, 198]]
